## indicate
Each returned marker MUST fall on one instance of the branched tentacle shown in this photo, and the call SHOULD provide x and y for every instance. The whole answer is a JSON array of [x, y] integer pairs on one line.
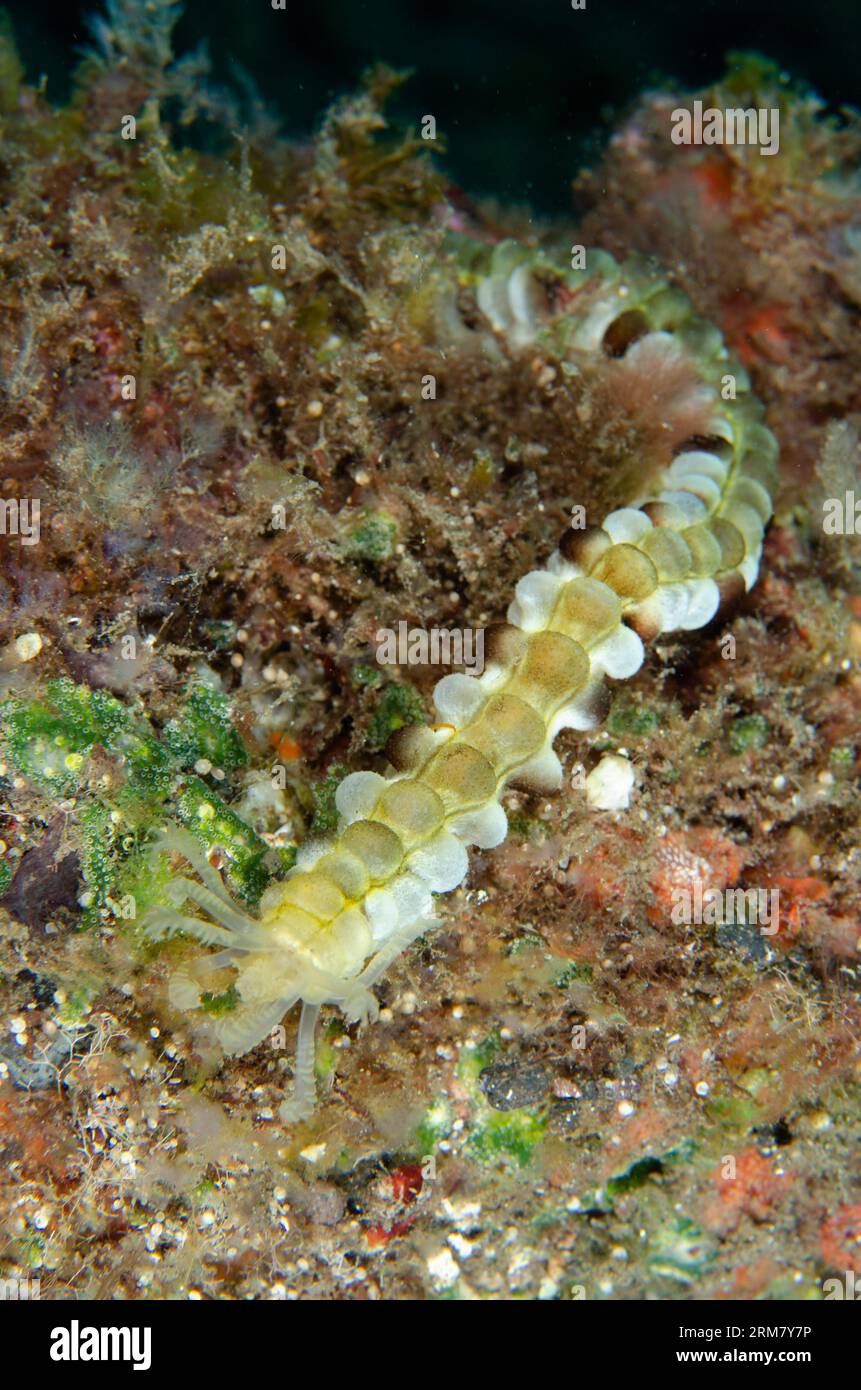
[[163, 921], [175, 839], [218, 905]]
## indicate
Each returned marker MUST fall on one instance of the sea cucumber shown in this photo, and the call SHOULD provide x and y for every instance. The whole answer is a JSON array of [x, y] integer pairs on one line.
[[687, 545]]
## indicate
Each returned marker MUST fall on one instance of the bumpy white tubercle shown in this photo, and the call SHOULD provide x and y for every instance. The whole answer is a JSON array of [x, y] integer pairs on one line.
[[620, 654], [543, 772], [442, 863], [458, 698], [485, 828], [358, 794], [703, 603], [627, 525], [693, 508], [698, 462], [535, 598]]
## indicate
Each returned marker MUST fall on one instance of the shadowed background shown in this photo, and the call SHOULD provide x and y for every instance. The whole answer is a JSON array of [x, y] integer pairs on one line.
[[523, 92]]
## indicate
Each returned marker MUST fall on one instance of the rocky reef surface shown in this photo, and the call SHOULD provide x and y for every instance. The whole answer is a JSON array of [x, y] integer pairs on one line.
[[253, 412]]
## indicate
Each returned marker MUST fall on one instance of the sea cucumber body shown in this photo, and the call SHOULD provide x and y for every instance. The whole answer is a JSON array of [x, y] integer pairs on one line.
[[690, 541]]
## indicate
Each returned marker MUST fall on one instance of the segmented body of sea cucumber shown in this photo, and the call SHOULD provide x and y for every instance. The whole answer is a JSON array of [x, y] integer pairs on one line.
[[688, 542]]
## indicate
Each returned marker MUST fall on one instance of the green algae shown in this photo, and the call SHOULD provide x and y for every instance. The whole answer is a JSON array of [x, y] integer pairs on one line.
[[366, 677], [434, 1126], [124, 780], [525, 827], [77, 1003], [843, 756], [748, 733], [478, 1055], [572, 973], [743, 1107], [49, 741], [326, 1054], [374, 538], [99, 835], [212, 822], [204, 731], [325, 817], [511, 1136], [217, 1005], [398, 705], [638, 1174], [526, 943], [628, 718]]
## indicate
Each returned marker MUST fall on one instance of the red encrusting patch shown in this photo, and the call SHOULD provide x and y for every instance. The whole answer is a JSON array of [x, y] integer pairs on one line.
[[756, 331], [840, 1239], [754, 1188], [685, 858]]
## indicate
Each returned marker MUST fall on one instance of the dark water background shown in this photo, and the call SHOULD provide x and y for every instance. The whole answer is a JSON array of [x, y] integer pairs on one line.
[[524, 93]]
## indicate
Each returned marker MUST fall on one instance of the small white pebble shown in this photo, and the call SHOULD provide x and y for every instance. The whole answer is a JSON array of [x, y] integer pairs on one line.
[[609, 785], [443, 1269], [461, 1246], [462, 1213], [28, 646]]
